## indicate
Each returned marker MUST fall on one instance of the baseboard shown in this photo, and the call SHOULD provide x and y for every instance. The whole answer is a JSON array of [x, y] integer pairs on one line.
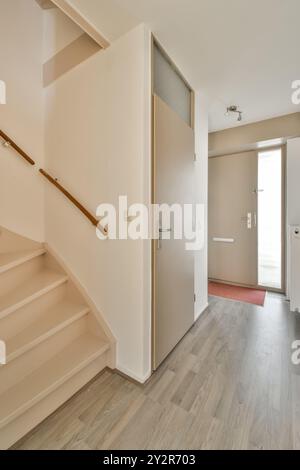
[[202, 310], [128, 374]]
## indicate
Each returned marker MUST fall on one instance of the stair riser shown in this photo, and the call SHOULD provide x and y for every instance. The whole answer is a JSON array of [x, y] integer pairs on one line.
[[18, 428], [14, 371], [10, 280], [11, 242], [21, 318]]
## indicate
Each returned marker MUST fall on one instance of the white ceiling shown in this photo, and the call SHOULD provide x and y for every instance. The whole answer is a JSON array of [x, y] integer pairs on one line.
[[243, 52]]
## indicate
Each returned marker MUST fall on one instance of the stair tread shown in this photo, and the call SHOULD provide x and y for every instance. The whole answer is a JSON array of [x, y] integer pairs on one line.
[[14, 258], [45, 278], [51, 321], [50, 376]]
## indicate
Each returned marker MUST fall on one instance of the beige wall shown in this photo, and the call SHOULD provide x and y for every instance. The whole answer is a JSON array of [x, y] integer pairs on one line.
[[98, 145], [246, 137], [21, 188]]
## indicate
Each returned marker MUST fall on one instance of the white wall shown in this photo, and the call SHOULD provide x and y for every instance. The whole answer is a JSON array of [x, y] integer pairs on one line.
[[21, 188], [201, 145], [98, 145]]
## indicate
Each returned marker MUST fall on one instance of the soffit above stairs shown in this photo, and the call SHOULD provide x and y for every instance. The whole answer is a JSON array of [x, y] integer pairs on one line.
[[46, 4]]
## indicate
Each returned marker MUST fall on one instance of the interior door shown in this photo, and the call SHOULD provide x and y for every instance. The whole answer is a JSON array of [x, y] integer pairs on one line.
[[232, 223], [174, 174]]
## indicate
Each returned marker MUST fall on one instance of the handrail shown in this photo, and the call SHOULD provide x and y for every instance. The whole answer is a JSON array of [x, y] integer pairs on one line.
[[9, 142], [79, 206], [96, 222]]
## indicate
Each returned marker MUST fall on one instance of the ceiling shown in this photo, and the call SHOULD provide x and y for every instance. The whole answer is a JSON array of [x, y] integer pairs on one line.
[[243, 52]]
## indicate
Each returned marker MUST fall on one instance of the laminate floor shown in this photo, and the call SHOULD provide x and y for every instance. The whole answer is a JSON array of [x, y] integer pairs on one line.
[[229, 384]]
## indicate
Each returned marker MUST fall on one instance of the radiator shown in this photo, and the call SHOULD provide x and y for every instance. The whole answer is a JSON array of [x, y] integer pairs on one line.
[[294, 267]]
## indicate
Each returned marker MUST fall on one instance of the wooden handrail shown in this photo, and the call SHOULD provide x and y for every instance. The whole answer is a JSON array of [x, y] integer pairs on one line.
[[79, 206], [92, 219], [12, 144]]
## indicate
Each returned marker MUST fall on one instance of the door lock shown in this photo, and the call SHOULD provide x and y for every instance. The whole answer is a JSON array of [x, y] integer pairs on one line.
[[248, 220]]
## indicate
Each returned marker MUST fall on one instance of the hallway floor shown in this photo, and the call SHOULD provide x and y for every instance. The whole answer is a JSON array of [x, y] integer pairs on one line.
[[230, 384]]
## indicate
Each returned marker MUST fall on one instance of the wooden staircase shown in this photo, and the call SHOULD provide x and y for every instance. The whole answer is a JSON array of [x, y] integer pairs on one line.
[[56, 341]]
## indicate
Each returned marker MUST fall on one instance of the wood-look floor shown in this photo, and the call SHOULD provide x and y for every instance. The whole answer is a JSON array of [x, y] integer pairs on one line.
[[230, 384]]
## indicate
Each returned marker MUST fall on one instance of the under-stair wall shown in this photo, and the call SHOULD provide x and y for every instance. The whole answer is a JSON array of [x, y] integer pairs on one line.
[[98, 145], [94, 122]]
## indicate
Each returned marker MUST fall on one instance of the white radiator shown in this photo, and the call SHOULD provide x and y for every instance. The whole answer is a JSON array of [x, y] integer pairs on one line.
[[294, 267]]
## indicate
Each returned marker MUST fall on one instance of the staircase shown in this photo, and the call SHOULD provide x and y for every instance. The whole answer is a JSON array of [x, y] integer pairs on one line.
[[56, 341]]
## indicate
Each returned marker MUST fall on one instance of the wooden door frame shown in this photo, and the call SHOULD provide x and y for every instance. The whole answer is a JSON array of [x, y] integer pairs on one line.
[[155, 43]]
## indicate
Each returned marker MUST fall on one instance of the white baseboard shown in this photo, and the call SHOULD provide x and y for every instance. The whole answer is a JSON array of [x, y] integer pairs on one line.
[[142, 379], [132, 375], [202, 310]]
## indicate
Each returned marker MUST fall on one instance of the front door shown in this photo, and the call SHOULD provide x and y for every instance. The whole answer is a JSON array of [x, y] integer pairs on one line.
[[233, 218]]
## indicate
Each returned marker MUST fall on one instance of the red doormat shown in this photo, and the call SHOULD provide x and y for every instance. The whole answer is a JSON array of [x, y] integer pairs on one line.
[[242, 294]]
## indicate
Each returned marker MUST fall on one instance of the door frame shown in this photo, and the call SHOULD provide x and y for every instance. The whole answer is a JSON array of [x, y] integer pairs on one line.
[[281, 147], [155, 43]]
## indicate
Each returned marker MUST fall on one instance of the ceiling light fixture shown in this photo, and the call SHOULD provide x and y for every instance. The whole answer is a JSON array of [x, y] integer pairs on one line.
[[234, 109]]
